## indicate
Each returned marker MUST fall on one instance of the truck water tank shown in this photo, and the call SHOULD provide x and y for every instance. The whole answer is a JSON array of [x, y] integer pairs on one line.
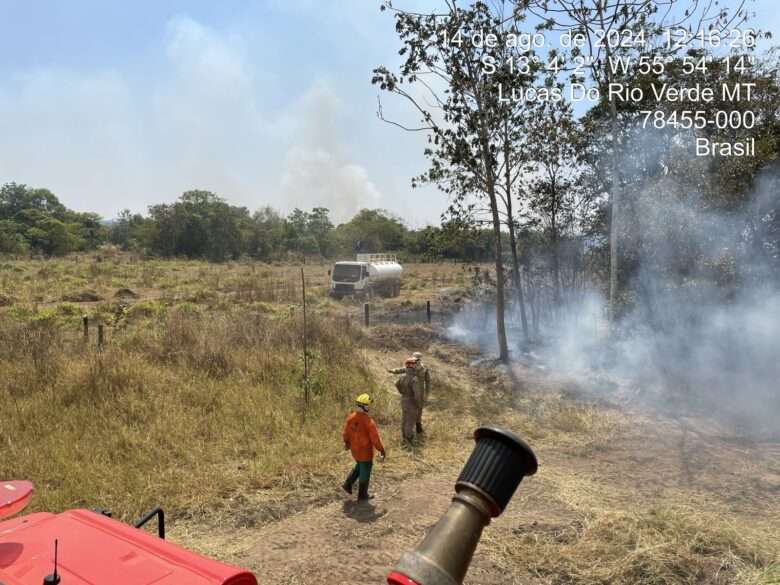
[[385, 271]]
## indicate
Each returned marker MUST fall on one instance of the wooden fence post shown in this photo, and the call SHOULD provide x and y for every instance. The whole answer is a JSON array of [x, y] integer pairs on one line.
[[366, 317], [305, 341], [428, 310], [85, 323], [100, 336]]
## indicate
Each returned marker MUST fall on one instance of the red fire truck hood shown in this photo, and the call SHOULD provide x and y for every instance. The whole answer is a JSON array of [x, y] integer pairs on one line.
[[96, 550]]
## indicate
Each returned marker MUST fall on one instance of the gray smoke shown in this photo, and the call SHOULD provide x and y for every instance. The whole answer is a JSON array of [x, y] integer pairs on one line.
[[318, 170], [702, 332]]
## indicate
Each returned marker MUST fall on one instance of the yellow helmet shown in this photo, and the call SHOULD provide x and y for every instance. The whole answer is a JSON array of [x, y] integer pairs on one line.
[[363, 399]]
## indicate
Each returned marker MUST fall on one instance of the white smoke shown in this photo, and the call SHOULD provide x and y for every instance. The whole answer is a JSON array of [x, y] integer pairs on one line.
[[318, 170], [702, 334]]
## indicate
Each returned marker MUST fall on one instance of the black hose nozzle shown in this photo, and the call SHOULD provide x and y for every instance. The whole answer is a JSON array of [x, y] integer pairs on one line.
[[499, 462]]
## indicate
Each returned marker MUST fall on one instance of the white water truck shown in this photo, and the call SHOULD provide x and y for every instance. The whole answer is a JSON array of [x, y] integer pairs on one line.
[[370, 274]]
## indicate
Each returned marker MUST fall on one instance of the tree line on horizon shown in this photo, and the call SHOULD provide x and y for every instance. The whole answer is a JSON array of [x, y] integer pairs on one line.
[[203, 225]]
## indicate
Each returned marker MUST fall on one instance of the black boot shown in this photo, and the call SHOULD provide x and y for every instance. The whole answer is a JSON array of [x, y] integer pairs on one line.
[[419, 428], [363, 491], [350, 481]]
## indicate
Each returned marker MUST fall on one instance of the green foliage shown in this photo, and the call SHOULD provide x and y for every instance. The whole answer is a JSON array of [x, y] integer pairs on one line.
[[452, 241], [16, 199], [203, 225], [35, 220], [199, 225], [371, 230], [309, 233], [266, 234], [12, 240], [129, 231]]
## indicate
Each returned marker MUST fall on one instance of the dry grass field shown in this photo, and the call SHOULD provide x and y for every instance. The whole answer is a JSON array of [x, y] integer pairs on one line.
[[196, 402]]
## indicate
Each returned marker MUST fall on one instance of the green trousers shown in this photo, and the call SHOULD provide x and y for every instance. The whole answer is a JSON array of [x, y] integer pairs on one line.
[[361, 471]]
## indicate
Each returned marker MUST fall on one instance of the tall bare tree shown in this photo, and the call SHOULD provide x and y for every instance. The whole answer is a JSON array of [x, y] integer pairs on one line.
[[444, 79], [511, 156], [553, 187]]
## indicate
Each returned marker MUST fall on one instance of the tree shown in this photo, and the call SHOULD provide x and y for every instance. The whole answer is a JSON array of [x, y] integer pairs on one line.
[[465, 112], [308, 233], [119, 233], [16, 198], [318, 224], [34, 219], [87, 228], [166, 230], [463, 241], [199, 225], [266, 239], [659, 162], [554, 190], [140, 231], [51, 237], [636, 19], [11, 240], [376, 229]]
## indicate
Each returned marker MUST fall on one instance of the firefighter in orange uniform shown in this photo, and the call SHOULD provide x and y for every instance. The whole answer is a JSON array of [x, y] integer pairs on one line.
[[361, 437]]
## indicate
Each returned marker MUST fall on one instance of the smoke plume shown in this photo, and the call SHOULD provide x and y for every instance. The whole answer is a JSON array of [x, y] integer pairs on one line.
[[701, 332]]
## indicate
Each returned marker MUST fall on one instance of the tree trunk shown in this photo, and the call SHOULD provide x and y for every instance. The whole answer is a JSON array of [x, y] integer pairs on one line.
[[490, 186], [614, 217], [503, 350], [516, 282], [556, 259], [556, 266], [534, 302]]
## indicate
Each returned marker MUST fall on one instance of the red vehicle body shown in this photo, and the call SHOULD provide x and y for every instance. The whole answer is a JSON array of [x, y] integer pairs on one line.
[[83, 547], [96, 550], [398, 579]]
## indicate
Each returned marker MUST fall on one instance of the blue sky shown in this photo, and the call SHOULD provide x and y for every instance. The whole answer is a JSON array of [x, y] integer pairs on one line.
[[118, 105]]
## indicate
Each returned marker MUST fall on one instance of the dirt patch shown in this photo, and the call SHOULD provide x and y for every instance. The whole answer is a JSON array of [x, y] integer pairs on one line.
[[402, 337], [86, 296], [125, 294], [362, 541], [6, 301]]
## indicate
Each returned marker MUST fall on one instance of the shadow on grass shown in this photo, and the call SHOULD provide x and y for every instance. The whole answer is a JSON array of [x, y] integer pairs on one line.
[[362, 511]]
